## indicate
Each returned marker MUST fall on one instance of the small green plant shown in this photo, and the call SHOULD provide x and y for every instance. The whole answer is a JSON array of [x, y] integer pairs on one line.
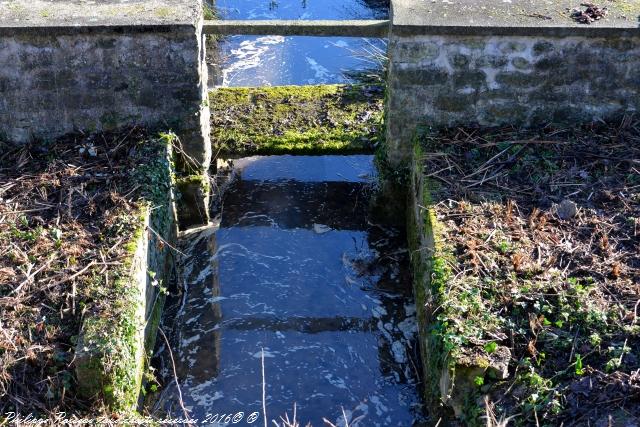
[[209, 13], [56, 236], [504, 247], [28, 236], [491, 347], [612, 364], [578, 365]]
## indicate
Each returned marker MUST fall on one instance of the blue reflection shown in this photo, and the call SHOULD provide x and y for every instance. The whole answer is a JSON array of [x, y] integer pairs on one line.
[[277, 60]]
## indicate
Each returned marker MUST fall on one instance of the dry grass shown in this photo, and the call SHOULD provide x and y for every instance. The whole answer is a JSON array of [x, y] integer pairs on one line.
[[64, 215], [543, 229]]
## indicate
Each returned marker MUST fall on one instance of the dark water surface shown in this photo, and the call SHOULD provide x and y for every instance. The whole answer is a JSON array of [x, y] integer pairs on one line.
[[300, 271], [276, 60]]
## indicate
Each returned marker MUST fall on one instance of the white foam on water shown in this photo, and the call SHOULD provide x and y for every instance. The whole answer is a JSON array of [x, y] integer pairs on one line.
[[381, 408], [379, 311], [185, 342], [322, 74], [336, 382], [339, 43], [408, 327], [399, 353], [250, 54], [201, 397], [258, 355]]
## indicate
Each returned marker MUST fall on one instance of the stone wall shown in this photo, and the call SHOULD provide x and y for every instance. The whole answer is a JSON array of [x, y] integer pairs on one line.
[[525, 81], [523, 63], [117, 341], [81, 67]]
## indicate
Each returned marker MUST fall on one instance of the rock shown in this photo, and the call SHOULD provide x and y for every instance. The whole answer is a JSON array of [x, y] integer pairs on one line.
[[567, 209], [499, 363]]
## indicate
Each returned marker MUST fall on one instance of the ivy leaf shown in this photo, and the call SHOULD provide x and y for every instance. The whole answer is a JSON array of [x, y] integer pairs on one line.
[[491, 347]]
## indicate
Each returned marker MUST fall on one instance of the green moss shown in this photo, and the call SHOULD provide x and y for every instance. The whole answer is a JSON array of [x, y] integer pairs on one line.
[[422, 243], [440, 339], [111, 350], [192, 179], [192, 184], [296, 119], [115, 346], [209, 13], [110, 344]]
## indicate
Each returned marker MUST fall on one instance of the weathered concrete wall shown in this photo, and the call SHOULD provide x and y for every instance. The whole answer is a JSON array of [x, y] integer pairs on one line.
[[449, 67], [528, 81], [81, 67]]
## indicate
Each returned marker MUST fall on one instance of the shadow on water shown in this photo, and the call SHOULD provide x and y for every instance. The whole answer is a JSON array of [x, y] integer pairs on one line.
[[296, 268]]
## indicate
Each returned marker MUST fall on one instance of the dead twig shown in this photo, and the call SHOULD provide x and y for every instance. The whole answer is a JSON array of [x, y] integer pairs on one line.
[[175, 376]]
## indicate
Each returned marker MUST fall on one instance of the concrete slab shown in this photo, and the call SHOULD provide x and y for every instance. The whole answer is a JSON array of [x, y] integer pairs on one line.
[[317, 28], [510, 17], [39, 14]]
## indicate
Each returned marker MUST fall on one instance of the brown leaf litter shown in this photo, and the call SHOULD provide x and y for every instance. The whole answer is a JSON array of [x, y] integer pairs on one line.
[[543, 229], [63, 210]]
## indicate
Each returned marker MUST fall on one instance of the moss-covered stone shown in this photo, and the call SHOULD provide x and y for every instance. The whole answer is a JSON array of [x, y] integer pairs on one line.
[[450, 374], [113, 343], [193, 193], [422, 245], [296, 119]]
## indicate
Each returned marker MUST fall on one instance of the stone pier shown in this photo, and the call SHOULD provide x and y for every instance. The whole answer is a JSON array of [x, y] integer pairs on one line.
[[521, 63], [95, 66]]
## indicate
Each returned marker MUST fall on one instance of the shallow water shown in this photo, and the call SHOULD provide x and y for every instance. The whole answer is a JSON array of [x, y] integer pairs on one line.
[[298, 271], [276, 60]]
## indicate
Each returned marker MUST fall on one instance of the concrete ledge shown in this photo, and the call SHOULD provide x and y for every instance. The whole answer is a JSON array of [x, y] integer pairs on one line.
[[480, 30], [426, 251], [512, 18], [42, 13], [354, 28]]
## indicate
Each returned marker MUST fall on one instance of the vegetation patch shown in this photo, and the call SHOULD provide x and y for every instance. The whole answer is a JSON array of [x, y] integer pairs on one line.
[[71, 213], [296, 119], [531, 243]]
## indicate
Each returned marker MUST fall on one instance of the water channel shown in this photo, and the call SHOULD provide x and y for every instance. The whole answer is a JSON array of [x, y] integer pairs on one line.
[[298, 270], [277, 60], [297, 279]]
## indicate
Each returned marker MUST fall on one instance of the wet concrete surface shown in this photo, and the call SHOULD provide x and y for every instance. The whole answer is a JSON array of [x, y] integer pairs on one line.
[[298, 271]]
